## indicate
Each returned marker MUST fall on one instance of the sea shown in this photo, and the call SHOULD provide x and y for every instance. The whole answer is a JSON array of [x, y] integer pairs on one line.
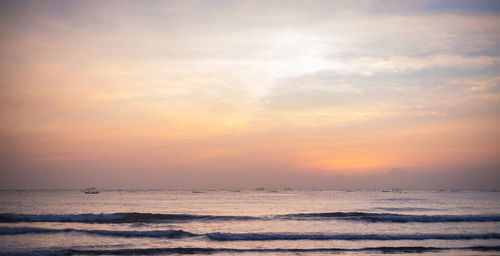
[[249, 222]]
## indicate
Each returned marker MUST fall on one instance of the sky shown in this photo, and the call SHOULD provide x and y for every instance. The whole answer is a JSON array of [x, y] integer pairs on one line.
[[230, 94]]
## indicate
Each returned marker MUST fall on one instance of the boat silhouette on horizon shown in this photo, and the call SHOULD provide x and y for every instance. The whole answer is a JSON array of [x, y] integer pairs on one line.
[[91, 190]]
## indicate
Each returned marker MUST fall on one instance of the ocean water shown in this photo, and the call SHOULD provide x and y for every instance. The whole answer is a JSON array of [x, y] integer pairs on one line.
[[250, 222]]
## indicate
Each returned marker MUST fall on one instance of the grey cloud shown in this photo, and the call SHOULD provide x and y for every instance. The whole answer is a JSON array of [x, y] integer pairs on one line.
[[463, 6], [422, 92], [441, 7]]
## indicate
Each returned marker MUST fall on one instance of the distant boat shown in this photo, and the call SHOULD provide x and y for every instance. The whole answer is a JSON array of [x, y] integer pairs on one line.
[[91, 191]]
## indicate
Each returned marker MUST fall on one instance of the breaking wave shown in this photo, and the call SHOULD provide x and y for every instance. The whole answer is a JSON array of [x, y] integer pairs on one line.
[[208, 250], [392, 217], [128, 233], [129, 217], [173, 234], [312, 236], [134, 217]]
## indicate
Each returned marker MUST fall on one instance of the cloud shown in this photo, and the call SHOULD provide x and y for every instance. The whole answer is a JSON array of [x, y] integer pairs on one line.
[[371, 65], [462, 6]]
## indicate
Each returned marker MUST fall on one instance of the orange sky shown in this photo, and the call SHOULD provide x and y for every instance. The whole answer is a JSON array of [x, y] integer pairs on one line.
[[303, 88]]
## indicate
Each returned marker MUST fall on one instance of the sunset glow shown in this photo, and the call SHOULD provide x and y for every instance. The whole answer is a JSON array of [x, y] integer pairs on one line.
[[168, 93]]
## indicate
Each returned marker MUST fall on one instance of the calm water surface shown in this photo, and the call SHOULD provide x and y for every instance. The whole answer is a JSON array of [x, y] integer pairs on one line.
[[283, 222]]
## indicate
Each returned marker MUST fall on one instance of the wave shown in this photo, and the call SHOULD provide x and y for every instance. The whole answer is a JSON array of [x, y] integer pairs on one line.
[[404, 209], [135, 217], [405, 199], [201, 250], [117, 233], [392, 217], [128, 217], [189, 250], [314, 236], [88, 218], [175, 234]]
